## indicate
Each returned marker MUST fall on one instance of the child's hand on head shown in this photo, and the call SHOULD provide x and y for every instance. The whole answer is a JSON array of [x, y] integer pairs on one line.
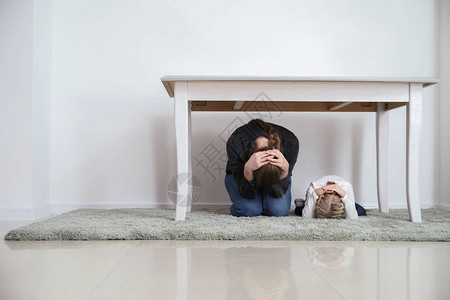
[[334, 189], [320, 191]]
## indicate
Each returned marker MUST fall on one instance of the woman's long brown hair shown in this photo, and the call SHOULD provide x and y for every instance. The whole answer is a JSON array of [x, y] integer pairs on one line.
[[268, 175], [274, 139]]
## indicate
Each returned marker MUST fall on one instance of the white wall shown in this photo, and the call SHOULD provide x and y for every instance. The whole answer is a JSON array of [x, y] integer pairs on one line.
[[16, 57], [445, 103], [112, 133], [25, 101], [41, 104], [113, 138]]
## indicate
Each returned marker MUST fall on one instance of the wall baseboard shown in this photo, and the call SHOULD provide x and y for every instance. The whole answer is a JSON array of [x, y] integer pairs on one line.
[[27, 214], [59, 209], [442, 206], [401, 206], [16, 214], [41, 212]]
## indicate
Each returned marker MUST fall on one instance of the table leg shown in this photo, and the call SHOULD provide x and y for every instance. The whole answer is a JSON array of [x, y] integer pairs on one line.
[[414, 123], [382, 157], [182, 136], [189, 202]]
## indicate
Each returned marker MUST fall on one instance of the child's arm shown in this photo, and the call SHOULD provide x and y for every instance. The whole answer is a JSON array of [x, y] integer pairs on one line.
[[310, 202], [349, 202]]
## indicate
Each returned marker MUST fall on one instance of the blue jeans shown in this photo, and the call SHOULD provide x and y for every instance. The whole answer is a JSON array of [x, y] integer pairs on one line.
[[260, 205]]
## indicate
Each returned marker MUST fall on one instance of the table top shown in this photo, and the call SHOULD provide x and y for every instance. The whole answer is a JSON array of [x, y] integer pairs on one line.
[[168, 81]]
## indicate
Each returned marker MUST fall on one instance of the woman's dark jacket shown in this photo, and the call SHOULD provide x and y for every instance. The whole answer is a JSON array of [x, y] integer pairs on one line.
[[240, 147]]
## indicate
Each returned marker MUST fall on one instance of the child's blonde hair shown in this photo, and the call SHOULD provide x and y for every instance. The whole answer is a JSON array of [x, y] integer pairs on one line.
[[330, 206]]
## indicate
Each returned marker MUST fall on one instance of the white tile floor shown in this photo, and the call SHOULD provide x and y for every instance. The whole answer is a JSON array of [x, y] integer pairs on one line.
[[222, 270]]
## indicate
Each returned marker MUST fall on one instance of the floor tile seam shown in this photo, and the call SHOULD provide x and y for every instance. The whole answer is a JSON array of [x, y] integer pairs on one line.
[[110, 271], [321, 277]]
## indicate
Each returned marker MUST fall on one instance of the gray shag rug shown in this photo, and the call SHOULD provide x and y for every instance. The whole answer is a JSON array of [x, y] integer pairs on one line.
[[218, 224]]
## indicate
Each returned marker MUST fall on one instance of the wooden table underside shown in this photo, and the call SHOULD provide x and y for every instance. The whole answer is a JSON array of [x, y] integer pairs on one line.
[[290, 106]]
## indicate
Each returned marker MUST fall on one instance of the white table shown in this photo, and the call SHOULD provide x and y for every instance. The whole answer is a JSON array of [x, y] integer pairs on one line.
[[237, 93]]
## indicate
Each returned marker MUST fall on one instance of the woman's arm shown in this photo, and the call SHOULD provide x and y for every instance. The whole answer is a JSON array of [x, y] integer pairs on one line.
[[236, 165]]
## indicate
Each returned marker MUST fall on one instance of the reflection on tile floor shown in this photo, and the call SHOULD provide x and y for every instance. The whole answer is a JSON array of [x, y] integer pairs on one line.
[[222, 270]]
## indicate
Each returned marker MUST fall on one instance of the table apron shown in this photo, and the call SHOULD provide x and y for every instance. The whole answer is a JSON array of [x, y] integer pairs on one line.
[[298, 91]]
